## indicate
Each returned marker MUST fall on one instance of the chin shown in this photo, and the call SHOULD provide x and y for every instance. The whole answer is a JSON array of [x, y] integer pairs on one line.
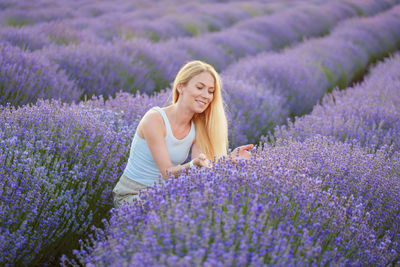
[[199, 110], [203, 109]]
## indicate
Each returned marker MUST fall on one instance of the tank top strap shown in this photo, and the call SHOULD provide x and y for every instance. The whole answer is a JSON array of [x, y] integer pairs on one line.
[[165, 118]]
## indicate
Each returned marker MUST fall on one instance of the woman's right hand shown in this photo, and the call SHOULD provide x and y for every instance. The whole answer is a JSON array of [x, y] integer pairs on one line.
[[202, 161]]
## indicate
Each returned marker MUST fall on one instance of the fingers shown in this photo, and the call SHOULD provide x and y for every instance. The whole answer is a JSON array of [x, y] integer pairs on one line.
[[203, 161], [202, 156], [208, 164], [239, 149], [246, 147]]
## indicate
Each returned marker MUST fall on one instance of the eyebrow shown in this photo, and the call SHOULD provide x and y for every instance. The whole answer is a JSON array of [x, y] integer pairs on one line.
[[205, 85]]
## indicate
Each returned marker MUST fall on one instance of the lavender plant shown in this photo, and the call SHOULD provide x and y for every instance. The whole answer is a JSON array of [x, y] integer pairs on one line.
[[273, 32], [369, 37], [24, 13], [59, 164], [305, 203], [299, 84], [35, 37], [304, 73], [238, 43], [124, 19], [131, 108], [371, 175], [98, 69], [24, 38], [26, 77], [53, 160], [160, 63], [204, 51], [62, 33], [368, 113], [251, 110]]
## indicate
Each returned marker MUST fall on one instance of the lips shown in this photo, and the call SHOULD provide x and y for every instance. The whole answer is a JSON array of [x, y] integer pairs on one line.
[[201, 103]]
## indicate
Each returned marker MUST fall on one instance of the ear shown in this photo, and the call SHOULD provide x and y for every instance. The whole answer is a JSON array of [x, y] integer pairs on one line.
[[180, 89]]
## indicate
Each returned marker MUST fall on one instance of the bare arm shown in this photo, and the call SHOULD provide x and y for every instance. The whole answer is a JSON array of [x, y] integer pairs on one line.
[[195, 150], [152, 129], [240, 152]]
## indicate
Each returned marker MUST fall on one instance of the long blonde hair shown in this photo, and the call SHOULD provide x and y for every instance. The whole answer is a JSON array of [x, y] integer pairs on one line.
[[211, 125]]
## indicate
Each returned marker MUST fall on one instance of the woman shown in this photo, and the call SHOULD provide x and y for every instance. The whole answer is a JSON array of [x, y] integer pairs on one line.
[[164, 136]]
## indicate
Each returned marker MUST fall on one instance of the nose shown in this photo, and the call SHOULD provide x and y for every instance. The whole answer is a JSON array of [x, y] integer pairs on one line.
[[205, 94]]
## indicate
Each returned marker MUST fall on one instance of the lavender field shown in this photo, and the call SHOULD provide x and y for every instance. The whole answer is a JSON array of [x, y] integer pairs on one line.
[[314, 84]]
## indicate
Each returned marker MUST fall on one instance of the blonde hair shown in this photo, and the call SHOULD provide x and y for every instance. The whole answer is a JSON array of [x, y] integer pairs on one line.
[[211, 125]]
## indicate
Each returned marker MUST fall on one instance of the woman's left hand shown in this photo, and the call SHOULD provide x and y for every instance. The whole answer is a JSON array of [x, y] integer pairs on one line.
[[242, 152]]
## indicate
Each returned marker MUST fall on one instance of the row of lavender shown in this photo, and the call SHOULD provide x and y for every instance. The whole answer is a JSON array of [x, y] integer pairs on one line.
[[110, 21], [75, 22], [59, 165], [149, 67], [100, 69], [318, 201], [142, 65], [293, 81], [367, 114]]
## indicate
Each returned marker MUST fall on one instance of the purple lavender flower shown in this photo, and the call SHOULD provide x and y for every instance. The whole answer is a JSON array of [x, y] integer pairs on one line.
[[307, 201], [59, 165], [24, 38], [304, 73], [367, 113], [251, 110], [98, 69], [26, 77], [302, 203]]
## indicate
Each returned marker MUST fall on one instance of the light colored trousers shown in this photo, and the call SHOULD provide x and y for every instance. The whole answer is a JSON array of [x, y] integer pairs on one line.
[[126, 190]]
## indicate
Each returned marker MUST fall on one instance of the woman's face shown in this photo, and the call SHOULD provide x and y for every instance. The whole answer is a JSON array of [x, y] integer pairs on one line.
[[199, 92]]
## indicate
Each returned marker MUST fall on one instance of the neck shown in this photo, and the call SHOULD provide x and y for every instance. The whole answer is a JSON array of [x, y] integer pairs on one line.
[[181, 115]]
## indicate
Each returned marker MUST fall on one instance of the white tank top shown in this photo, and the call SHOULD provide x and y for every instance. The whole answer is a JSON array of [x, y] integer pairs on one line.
[[141, 166]]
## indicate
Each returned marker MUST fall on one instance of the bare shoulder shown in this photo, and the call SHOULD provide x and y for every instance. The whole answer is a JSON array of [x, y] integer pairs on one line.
[[152, 121]]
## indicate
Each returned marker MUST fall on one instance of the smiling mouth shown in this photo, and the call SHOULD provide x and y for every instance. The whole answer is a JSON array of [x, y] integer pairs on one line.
[[201, 102]]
